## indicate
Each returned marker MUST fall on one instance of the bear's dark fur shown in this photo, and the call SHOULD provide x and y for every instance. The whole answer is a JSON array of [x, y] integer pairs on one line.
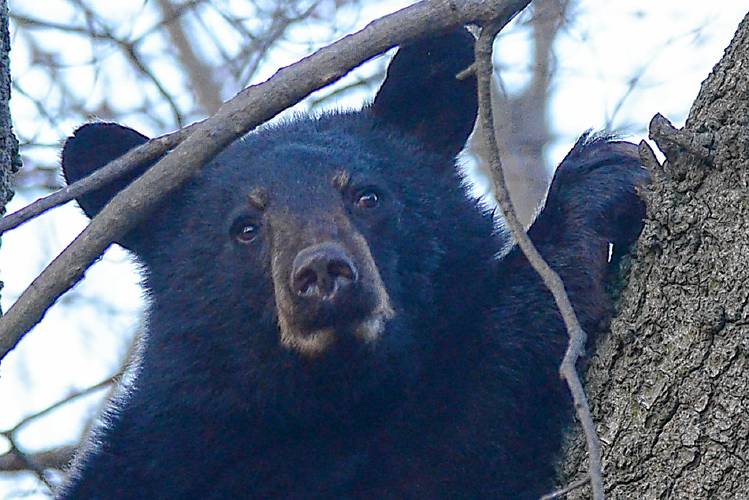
[[328, 316]]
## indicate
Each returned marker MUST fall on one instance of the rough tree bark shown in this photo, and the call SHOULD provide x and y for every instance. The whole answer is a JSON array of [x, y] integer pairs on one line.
[[670, 384], [9, 160]]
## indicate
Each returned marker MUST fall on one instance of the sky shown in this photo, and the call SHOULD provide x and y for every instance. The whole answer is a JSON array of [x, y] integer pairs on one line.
[[671, 45]]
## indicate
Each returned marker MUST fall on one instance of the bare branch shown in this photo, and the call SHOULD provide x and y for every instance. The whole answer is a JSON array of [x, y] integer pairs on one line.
[[550, 278], [673, 141], [57, 458], [16, 460], [251, 107], [25, 461], [104, 33], [30, 22], [67, 399], [131, 52], [117, 168]]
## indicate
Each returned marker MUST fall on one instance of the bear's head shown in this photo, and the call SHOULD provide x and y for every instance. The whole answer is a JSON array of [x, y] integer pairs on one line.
[[320, 263]]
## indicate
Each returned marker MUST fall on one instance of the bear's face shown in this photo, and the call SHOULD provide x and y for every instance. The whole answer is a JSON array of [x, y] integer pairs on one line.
[[319, 250], [310, 216], [311, 258]]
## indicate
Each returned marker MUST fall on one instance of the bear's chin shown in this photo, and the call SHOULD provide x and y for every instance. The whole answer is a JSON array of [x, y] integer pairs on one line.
[[316, 342]]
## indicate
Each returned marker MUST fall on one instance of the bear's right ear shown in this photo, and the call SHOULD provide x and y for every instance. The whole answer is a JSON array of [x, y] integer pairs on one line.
[[422, 96], [91, 147]]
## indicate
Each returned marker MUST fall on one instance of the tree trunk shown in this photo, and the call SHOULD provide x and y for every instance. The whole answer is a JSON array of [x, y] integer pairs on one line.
[[10, 162], [670, 384]]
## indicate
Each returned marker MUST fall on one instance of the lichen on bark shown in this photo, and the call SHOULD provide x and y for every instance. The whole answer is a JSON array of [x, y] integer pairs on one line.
[[10, 161], [669, 385]]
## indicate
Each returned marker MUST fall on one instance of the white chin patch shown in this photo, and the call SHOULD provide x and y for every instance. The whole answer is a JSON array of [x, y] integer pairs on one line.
[[312, 344], [308, 344], [370, 330]]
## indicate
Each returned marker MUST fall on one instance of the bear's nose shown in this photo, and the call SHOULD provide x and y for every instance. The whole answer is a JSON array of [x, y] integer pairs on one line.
[[322, 271]]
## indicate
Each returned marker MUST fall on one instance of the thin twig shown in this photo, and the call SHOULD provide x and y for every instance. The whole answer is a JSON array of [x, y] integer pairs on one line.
[[251, 107], [571, 487], [17, 460], [131, 52], [27, 461], [551, 279], [55, 458], [67, 399], [149, 151], [30, 22]]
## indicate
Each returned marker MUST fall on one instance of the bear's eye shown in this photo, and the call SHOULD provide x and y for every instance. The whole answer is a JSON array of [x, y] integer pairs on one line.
[[244, 231], [367, 198]]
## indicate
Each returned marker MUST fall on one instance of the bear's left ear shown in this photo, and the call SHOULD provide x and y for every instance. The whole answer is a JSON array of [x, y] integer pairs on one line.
[[422, 96], [90, 148]]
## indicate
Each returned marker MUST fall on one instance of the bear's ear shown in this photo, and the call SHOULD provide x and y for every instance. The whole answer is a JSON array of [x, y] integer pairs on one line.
[[91, 147], [422, 96]]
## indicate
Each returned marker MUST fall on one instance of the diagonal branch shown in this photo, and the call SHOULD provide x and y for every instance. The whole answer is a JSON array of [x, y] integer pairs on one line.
[[251, 107], [114, 379], [116, 168], [551, 279]]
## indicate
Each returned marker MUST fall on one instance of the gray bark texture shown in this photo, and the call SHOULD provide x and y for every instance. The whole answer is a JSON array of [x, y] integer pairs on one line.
[[10, 162], [669, 386]]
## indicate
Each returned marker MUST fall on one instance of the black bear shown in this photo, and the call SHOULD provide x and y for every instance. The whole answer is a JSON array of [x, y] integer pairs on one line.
[[328, 315]]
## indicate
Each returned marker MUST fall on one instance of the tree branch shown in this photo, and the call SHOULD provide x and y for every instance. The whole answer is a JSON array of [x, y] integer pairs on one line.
[[142, 154], [16, 460], [550, 278], [251, 107], [56, 458], [67, 399], [22, 461]]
